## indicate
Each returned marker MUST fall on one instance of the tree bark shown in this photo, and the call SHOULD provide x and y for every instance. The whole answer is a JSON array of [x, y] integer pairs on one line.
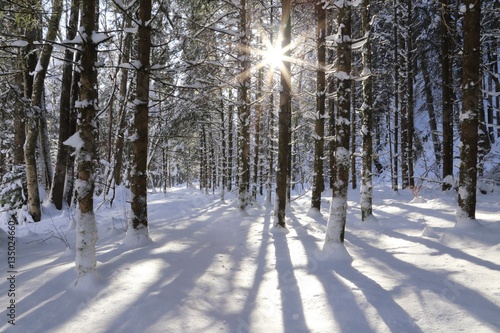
[[86, 231], [244, 110], [429, 101], [319, 125], [37, 105], [367, 118], [284, 118], [471, 102], [338, 209], [138, 181], [57, 193], [446, 92]]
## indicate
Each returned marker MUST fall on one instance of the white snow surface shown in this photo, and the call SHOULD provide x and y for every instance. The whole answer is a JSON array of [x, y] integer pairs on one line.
[[211, 269]]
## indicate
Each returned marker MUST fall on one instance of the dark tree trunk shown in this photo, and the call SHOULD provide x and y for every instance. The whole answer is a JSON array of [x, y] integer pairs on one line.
[[446, 92], [367, 118], [138, 179], [471, 103], [284, 119], [57, 193], [319, 127]]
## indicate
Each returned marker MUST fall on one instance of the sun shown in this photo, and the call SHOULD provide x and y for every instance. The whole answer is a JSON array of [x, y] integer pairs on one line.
[[273, 55]]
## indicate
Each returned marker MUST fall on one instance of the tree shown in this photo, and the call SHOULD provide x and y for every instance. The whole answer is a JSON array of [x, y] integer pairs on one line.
[[65, 107], [284, 117], [138, 224], [319, 137], [367, 118], [469, 119], [85, 143], [244, 108], [446, 92], [36, 114], [338, 208]]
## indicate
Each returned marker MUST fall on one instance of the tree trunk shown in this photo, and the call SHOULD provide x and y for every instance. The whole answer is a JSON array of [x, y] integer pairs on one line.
[[397, 46], [230, 142], [284, 118], [37, 105], [319, 125], [409, 82], [429, 101], [446, 92], [338, 208], [223, 149], [257, 144], [471, 102], [57, 193], [86, 233], [244, 110], [367, 119], [123, 100], [138, 229]]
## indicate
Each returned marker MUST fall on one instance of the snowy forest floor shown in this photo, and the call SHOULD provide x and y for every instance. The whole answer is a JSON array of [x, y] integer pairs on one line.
[[210, 269]]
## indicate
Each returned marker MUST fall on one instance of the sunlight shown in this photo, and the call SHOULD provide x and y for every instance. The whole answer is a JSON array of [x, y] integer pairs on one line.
[[273, 55]]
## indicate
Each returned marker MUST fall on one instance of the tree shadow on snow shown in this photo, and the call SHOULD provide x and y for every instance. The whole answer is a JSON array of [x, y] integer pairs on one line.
[[342, 283]]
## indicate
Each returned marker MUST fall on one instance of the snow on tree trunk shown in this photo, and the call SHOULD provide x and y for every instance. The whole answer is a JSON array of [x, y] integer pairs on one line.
[[338, 208], [446, 91], [84, 143], [471, 93], [138, 231], [244, 110], [36, 112], [367, 119]]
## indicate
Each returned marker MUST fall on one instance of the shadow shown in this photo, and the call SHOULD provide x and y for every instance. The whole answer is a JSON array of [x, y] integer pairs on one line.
[[443, 249], [291, 302], [420, 279], [341, 294], [242, 322]]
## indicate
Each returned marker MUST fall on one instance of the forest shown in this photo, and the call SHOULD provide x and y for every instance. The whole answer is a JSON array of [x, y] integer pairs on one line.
[[279, 111]]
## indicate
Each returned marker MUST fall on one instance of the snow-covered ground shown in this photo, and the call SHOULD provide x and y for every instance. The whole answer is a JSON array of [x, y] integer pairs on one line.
[[210, 269]]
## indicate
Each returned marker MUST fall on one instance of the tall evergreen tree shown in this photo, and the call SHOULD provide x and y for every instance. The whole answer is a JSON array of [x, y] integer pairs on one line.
[[244, 108], [285, 117], [338, 208], [367, 118], [319, 125], [86, 229], [469, 119], [446, 91], [138, 225]]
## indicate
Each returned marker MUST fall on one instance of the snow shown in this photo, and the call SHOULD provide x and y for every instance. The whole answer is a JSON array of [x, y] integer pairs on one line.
[[98, 37], [19, 43], [209, 269], [74, 141]]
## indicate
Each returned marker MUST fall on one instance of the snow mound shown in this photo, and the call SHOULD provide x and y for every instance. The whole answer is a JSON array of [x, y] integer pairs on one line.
[[429, 232], [417, 200], [89, 283], [334, 252]]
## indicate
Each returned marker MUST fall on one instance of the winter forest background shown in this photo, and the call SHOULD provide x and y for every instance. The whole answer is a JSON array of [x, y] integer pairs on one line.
[[312, 118]]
